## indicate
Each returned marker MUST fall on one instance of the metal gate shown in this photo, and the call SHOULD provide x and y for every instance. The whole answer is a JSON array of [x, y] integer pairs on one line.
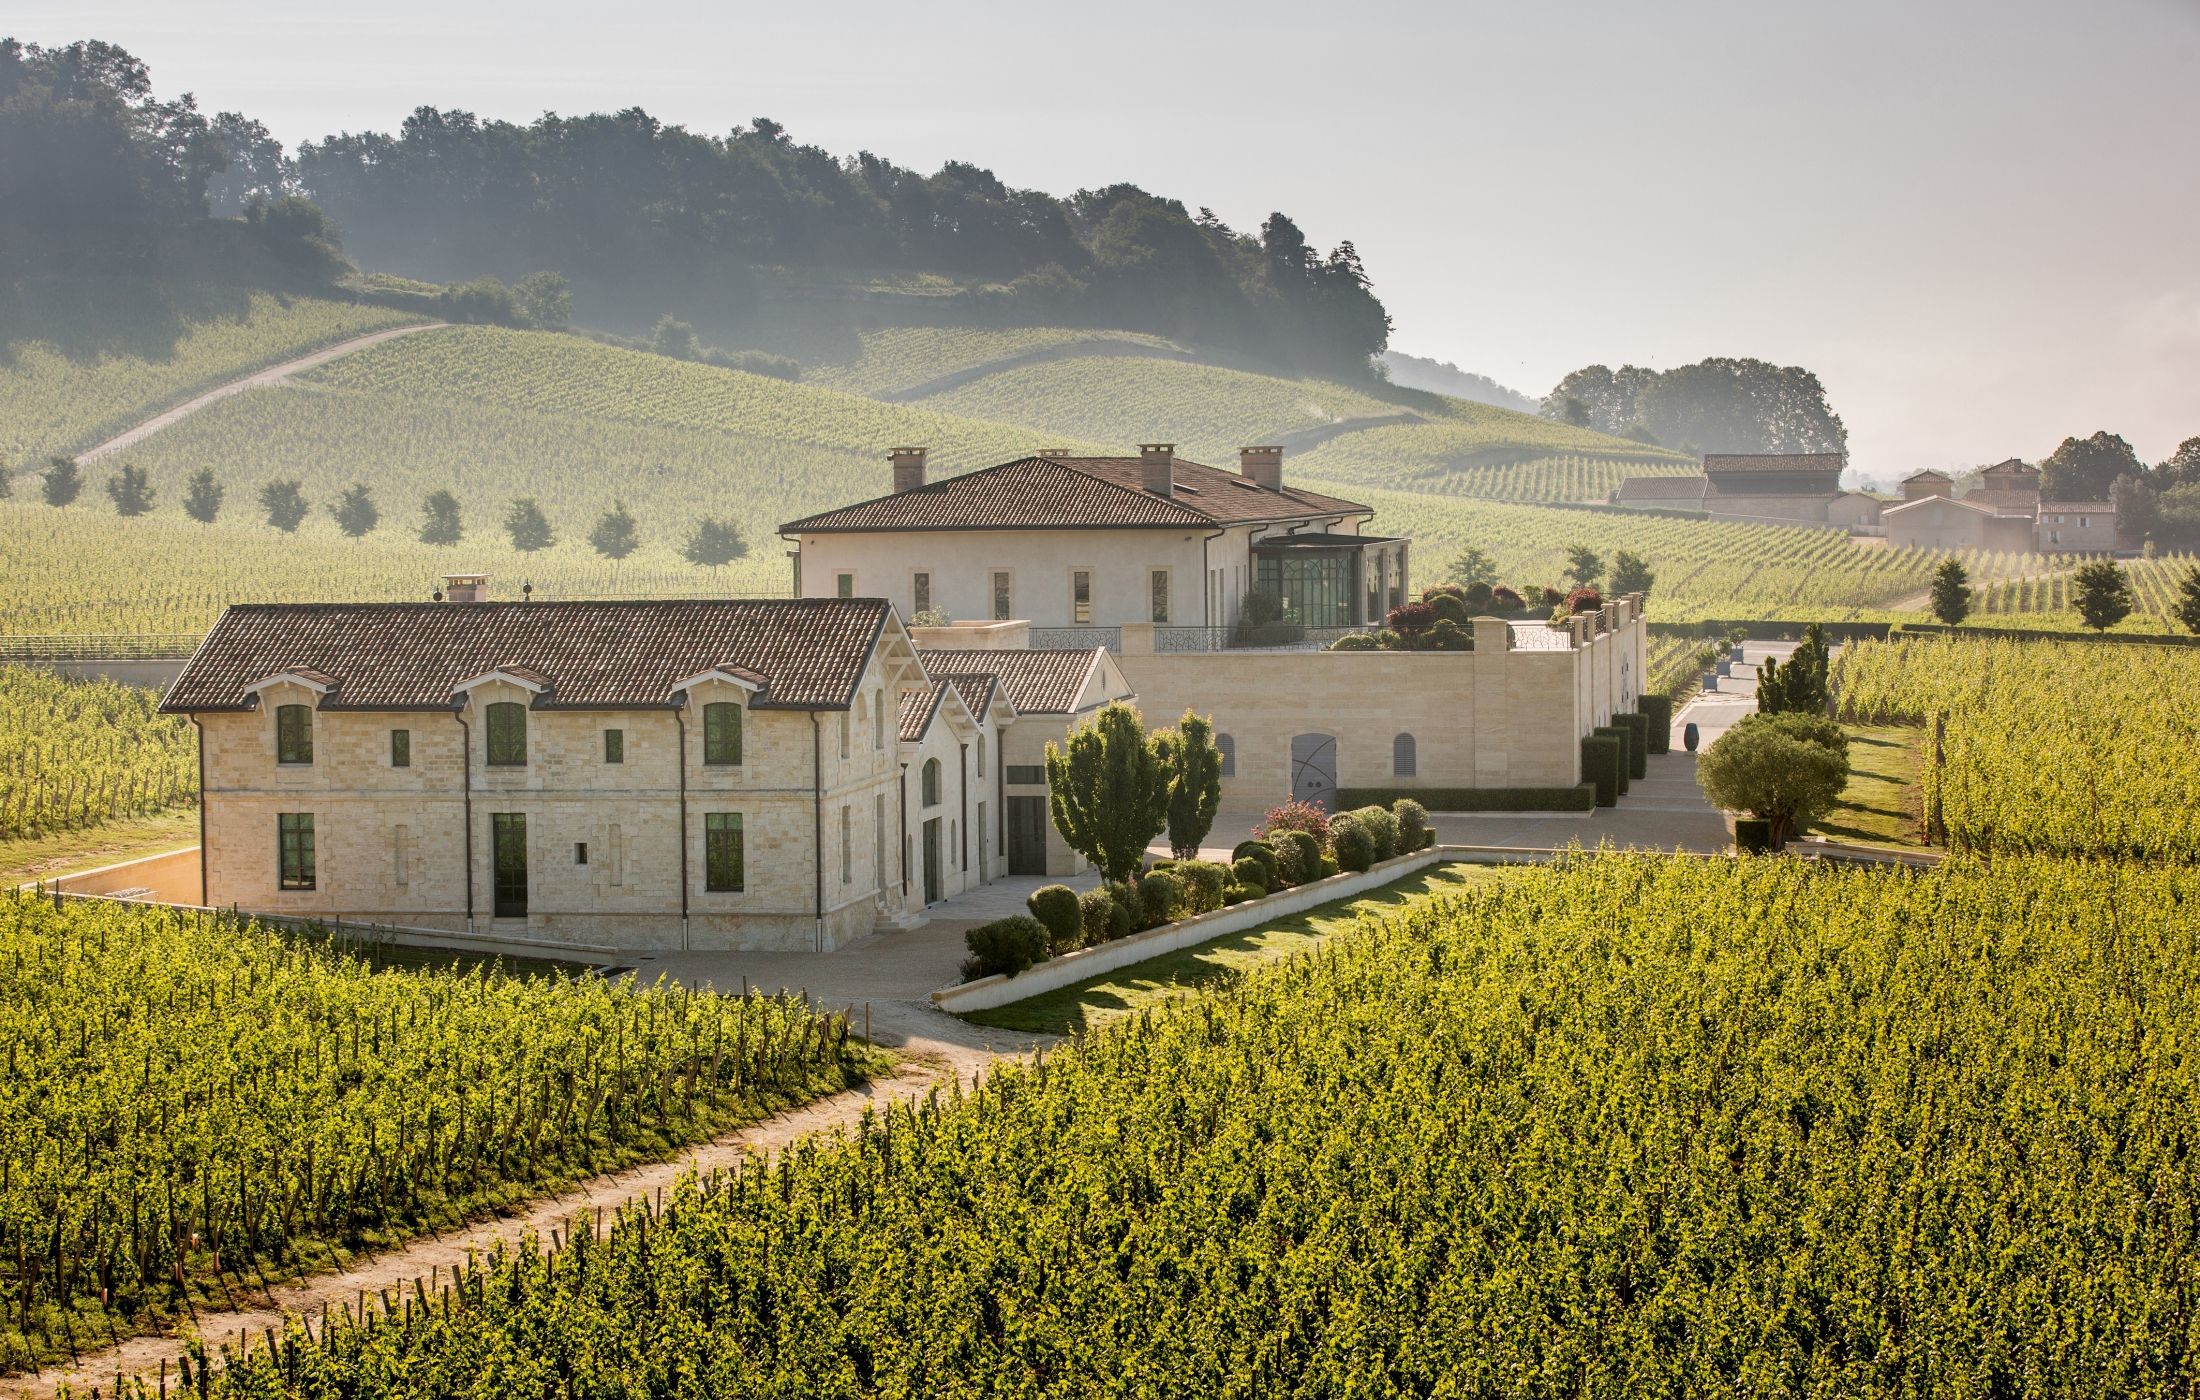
[[1314, 769]]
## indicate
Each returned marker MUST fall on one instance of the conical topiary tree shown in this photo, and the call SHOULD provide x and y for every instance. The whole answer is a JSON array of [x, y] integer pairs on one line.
[[1192, 767], [1107, 791], [1951, 592]]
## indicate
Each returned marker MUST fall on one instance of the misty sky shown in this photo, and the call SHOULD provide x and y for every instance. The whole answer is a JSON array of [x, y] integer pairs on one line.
[[1979, 222]]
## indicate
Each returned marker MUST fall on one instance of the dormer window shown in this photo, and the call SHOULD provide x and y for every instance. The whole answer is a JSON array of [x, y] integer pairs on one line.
[[722, 733], [293, 734], [507, 735]]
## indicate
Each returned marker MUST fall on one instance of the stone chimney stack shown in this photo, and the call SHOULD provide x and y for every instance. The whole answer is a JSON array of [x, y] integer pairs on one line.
[[1157, 467], [466, 588], [908, 468], [1263, 466]]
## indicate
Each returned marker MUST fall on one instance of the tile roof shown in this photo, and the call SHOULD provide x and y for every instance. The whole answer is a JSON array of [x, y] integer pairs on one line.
[[808, 652], [977, 691], [1036, 682], [1923, 472], [2003, 502], [2013, 466], [1660, 488], [1771, 462], [917, 709], [1039, 493]]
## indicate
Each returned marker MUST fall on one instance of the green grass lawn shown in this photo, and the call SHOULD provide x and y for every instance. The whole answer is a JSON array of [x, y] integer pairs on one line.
[[1879, 807], [1098, 1000]]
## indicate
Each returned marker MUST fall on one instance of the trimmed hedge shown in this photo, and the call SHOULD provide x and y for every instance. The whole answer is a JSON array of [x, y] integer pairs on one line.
[[1160, 899], [1203, 882], [1005, 946], [1055, 906], [1525, 799], [1602, 762], [1658, 711], [1753, 836], [1353, 844], [1626, 742], [1638, 743]]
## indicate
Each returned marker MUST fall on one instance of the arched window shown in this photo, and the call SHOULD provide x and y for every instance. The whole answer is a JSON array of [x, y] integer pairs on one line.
[[507, 735], [722, 732], [1403, 758], [931, 782], [1228, 746], [293, 734]]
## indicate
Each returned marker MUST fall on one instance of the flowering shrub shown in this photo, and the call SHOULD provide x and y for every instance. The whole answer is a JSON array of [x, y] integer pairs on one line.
[[1295, 816], [1584, 599]]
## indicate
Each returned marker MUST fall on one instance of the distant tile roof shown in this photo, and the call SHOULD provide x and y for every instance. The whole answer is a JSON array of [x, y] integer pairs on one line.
[[808, 653], [1958, 503], [977, 691], [1660, 488], [1036, 682], [2012, 466], [1715, 462], [1053, 493], [2003, 502], [1925, 472], [917, 709]]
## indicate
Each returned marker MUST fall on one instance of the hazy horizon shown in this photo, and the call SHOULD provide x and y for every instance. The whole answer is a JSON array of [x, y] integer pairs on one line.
[[1976, 224]]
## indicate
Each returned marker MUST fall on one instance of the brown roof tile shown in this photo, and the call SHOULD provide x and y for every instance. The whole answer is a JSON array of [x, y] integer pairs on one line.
[[917, 709], [808, 653], [1039, 493], [977, 691], [1036, 682], [2003, 502]]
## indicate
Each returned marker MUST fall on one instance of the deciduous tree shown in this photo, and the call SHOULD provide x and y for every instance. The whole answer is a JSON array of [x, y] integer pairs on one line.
[[2083, 469], [714, 544], [202, 496], [62, 481], [2188, 598], [1630, 574], [355, 513], [1788, 769], [284, 504], [614, 536], [131, 491], [439, 522], [1583, 565], [1472, 567], [1107, 790], [1192, 764], [528, 526]]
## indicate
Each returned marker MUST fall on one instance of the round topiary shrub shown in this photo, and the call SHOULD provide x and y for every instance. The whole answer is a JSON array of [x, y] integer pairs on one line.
[[1270, 873], [1096, 910], [1412, 819], [1381, 828], [1248, 871], [1234, 893], [1356, 641], [1004, 947], [1308, 865], [1330, 867], [1160, 899], [1349, 839], [1203, 882], [1055, 907]]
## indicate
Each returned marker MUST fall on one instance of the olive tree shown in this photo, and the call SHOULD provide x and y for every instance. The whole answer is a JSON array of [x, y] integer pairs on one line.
[[1788, 769]]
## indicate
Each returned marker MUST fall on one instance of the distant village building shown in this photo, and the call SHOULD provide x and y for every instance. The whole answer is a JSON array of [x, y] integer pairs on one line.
[[1802, 488], [2003, 513]]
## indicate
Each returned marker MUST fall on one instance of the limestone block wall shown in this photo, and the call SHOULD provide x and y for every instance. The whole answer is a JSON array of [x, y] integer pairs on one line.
[[1039, 564], [392, 842]]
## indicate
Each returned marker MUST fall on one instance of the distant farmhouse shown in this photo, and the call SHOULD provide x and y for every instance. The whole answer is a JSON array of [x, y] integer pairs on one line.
[[796, 773], [1802, 488], [2004, 512]]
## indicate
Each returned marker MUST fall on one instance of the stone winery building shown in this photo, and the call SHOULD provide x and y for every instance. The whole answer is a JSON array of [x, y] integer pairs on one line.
[[796, 773]]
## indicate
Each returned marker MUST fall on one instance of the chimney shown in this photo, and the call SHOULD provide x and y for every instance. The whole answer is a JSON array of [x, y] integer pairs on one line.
[[1157, 467], [908, 468], [466, 588], [1263, 466]]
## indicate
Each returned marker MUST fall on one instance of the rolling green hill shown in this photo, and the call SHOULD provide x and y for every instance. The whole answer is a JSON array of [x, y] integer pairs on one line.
[[84, 358]]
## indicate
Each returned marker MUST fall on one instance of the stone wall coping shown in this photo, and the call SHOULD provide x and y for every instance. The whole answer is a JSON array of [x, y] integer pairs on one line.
[[1056, 973]]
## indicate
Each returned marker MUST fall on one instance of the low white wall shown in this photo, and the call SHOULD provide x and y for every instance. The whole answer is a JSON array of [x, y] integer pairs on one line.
[[1056, 973]]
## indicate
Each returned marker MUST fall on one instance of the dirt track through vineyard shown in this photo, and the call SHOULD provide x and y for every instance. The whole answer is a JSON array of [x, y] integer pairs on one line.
[[273, 374], [935, 1052]]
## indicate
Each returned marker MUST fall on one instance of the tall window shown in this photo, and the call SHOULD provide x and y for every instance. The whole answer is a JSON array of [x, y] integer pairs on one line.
[[507, 735], [294, 850], [1404, 757], [843, 733], [1001, 596], [401, 748], [614, 746], [1161, 595], [878, 725], [847, 846], [920, 589], [293, 734], [844, 585], [722, 732], [1227, 745], [724, 861], [931, 782], [981, 755], [508, 864], [1080, 597]]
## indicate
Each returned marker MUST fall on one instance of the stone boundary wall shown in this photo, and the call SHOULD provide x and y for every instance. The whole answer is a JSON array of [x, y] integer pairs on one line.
[[1057, 973]]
